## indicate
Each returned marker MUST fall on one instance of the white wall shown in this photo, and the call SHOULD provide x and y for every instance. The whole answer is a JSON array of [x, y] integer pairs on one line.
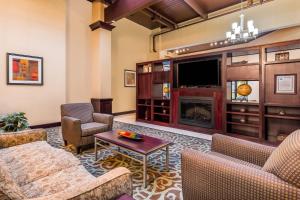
[[37, 28]]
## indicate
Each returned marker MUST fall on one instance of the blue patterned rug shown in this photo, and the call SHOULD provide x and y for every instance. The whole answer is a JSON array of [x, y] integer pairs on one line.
[[162, 184]]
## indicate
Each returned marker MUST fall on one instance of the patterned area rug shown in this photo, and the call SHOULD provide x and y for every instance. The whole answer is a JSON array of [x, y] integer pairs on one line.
[[162, 184]]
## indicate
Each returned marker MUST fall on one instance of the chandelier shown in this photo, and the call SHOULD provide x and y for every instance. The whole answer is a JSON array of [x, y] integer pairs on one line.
[[240, 32]]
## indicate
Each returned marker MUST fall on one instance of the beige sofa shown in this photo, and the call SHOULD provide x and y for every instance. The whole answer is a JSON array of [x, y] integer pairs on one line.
[[243, 170], [31, 169]]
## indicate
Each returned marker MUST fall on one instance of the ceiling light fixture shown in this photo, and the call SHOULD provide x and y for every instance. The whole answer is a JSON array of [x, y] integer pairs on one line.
[[239, 32]]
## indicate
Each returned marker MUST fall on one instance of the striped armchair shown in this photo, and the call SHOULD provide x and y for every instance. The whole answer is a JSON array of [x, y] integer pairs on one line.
[[80, 123], [243, 170]]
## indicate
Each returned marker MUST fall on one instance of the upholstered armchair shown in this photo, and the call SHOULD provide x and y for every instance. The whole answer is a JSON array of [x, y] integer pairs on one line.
[[243, 170], [80, 123]]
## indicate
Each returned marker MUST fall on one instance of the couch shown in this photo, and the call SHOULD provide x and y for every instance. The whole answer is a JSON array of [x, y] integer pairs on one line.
[[79, 124], [31, 169], [243, 170]]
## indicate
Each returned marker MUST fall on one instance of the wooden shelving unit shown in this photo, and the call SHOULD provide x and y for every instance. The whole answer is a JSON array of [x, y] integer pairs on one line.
[[266, 118], [153, 78], [243, 118], [242, 65], [281, 111]]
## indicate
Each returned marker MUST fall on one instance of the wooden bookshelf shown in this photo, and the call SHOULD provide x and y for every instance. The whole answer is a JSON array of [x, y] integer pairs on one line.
[[263, 121], [152, 106]]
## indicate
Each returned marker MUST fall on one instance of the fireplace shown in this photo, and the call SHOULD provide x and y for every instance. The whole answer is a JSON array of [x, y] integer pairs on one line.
[[196, 111]]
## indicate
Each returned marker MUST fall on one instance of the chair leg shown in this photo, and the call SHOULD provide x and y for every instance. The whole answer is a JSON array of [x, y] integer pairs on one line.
[[78, 150], [66, 142]]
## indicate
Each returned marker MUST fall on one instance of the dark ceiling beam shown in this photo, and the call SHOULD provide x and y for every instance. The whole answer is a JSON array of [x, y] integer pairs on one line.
[[174, 24], [162, 22], [104, 1], [157, 19], [124, 8], [197, 8]]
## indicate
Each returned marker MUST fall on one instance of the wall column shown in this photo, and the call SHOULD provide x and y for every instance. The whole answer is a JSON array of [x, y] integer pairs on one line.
[[101, 57]]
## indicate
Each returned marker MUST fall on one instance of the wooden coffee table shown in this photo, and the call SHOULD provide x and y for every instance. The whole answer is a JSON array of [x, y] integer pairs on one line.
[[144, 148]]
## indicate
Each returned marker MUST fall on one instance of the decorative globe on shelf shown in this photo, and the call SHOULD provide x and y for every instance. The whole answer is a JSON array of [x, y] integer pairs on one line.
[[244, 90], [166, 90]]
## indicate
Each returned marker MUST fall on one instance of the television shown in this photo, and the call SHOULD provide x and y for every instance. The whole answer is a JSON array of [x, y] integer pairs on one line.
[[198, 73]]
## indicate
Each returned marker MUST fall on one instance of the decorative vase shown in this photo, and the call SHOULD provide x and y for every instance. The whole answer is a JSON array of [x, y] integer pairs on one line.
[[242, 110], [281, 112]]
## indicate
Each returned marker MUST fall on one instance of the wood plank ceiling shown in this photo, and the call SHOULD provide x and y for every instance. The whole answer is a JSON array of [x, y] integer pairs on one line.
[[169, 13]]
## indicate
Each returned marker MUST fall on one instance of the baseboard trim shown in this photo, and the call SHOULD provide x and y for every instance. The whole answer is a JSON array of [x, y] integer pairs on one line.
[[55, 124], [49, 125], [124, 113]]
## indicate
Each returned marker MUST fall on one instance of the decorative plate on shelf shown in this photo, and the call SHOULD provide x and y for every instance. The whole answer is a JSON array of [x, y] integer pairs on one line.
[[131, 135]]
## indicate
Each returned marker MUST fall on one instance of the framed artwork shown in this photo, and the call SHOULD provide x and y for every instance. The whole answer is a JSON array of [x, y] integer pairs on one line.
[[24, 70], [129, 78], [286, 84], [282, 56]]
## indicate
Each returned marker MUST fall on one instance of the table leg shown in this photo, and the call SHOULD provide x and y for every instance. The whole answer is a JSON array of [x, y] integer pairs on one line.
[[167, 158], [96, 149], [145, 171]]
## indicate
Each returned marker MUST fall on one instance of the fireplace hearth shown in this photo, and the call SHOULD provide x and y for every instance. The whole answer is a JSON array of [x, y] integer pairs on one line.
[[196, 111]]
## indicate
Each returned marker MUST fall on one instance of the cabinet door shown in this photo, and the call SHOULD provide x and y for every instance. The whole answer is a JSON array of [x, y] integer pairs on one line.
[[282, 69], [144, 86]]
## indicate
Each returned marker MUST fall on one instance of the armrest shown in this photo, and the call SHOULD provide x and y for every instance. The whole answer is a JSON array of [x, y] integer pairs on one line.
[[241, 149], [71, 129], [104, 118], [206, 176], [106, 187], [9, 139]]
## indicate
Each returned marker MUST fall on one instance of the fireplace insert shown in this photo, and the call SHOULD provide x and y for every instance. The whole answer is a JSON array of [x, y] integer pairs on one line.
[[196, 111]]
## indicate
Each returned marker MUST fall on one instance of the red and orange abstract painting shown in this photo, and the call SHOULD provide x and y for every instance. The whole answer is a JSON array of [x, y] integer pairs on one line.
[[24, 70]]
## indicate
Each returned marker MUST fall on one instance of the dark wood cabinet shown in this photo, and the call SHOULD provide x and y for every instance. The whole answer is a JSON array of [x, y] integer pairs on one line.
[[270, 117], [102, 105]]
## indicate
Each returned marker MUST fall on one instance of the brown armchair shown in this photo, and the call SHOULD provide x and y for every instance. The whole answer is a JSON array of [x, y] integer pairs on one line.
[[80, 123], [243, 170]]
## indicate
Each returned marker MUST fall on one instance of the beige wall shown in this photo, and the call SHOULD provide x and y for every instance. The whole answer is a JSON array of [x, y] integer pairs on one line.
[[36, 28], [58, 31], [130, 44], [79, 15], [269, 16]]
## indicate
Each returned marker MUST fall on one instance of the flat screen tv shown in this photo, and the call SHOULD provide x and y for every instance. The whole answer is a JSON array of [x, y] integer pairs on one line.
[[200, 73]]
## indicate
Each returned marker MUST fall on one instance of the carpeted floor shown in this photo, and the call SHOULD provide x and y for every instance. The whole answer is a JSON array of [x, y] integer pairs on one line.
[[162, 184]]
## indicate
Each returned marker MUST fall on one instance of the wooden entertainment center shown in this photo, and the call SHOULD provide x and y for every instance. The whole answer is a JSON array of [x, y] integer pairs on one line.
[[270, 113]]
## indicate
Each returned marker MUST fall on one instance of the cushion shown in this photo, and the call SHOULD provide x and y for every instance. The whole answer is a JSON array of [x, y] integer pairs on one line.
[[92, 128], [7, 184], [284, 162], [82, 111], [32, 161], [58, 182], [234, 160]]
